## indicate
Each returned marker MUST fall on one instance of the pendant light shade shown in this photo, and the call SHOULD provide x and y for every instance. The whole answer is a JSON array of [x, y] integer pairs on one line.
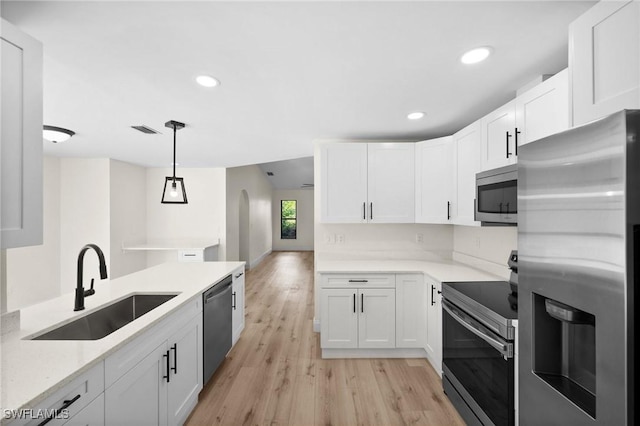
[[174, 191]]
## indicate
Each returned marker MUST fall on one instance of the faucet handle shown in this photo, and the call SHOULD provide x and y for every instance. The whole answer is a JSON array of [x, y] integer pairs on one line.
[[91, 291]]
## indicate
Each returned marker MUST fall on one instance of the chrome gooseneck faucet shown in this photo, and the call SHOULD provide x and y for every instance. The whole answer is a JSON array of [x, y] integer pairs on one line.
[[81, 293]]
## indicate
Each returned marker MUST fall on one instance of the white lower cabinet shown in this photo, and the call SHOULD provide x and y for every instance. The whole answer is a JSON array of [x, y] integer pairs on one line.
[[358, 318], [237, 316], [411, 315], [434, 324], [71, 401], [185, 347], [91, 415], [377, 317], [139, 397], [155, 380]]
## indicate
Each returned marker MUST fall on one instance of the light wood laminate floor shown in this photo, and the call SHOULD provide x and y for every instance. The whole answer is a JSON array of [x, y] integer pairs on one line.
[[275, 375]]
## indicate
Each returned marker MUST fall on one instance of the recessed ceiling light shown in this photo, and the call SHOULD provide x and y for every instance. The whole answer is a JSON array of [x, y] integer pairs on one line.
[[56, 134], [415, 115], [476, 55], [207, 81]]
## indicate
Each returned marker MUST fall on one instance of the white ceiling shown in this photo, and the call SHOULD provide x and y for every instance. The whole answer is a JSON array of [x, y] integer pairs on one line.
[[290, 174], [291, 72]]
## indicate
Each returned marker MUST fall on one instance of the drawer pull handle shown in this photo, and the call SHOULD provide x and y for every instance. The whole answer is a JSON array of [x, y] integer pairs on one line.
[[189, 255], [65, 404], [358, 281], [240, 274]]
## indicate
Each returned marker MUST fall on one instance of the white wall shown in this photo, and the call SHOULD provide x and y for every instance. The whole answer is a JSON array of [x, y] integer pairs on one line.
[[128, 216], [259, 190], [304, 216], [33, 273], [204, 217], [84, 218]]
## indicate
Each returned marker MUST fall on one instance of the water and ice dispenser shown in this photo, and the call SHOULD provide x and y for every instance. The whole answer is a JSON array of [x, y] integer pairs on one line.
[[564, 346]]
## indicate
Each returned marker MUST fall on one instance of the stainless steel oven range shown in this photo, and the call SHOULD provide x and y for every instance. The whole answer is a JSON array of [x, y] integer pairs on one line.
[[478, 350]]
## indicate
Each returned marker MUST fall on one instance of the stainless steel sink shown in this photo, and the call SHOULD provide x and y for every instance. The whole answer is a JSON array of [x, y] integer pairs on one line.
[[108, 319]]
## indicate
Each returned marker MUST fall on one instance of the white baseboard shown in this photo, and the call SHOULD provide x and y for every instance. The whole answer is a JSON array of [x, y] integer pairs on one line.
[[259, 260], [316, 325], [374, 353]]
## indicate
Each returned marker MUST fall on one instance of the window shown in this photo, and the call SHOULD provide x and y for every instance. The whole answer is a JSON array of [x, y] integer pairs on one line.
[[288, 219]]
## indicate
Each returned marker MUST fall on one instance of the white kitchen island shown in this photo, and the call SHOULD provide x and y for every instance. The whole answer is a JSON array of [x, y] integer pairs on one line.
[[34, 370]]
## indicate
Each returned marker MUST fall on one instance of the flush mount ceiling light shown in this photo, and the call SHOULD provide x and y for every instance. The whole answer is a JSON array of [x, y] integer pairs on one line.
[[476, 55], [207, 81], [415, 115], [56, 134], [174, 192]]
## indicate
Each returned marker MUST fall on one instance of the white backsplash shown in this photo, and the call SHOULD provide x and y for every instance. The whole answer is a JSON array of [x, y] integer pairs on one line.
[[383, 241]]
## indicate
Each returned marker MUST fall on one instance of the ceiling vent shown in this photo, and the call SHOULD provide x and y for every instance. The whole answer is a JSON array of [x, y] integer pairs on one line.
[[269, 173], [145, 129]]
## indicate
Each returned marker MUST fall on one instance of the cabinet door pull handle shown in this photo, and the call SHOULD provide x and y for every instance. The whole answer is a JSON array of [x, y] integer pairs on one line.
[[508, 136], [432, 289], [448, 210], [233, 305], [354, 303], [240, 274], [371, 211], [174, 348], [65, 404], [358, 281], [517, 132], [362, 302], [166, 356], [364, 211]]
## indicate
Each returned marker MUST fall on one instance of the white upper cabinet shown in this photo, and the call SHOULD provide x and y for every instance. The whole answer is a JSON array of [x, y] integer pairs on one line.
[[604, 59], [434, 180], [21, 135], [343, 178], [367, 183], [467, 163], [498, 137], [391, 182], [543, 110], [539, 112]]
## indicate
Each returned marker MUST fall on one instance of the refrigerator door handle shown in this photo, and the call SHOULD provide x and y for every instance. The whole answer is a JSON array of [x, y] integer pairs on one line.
[[505, 348]]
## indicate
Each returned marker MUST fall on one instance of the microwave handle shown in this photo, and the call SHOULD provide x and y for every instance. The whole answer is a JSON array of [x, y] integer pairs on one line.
[[506, 349]]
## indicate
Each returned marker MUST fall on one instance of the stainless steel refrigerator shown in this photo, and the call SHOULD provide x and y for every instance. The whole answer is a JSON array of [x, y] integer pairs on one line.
[[579, 248]]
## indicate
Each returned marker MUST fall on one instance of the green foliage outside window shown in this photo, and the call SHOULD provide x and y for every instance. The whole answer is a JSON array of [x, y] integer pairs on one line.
[[288, 219]]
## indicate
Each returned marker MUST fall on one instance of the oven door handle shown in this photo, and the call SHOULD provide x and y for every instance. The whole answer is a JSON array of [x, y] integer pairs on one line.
[[506, 349]]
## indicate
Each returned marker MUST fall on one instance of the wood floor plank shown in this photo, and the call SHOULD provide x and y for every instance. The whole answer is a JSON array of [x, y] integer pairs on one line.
[[274, 375]]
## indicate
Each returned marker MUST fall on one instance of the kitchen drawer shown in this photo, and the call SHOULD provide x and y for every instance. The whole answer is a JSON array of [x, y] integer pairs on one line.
[[357, 280], [81, 390], [91, 415], [190, 255], [117, 364]]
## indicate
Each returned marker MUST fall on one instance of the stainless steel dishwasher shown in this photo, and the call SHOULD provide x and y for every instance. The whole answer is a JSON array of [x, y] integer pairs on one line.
[[216, 326]]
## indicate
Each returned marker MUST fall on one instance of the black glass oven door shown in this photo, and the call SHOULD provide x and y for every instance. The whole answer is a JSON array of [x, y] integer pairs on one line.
[[481, 361]]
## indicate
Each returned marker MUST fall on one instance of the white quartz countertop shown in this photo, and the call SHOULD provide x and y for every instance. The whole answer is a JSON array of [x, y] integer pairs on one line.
[[33, 369], [443, 271]]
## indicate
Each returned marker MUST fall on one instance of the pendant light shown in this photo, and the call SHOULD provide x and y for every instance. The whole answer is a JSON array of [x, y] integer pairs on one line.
[[174, 192]]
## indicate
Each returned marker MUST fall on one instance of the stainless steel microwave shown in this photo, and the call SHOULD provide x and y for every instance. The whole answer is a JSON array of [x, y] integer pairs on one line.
[[497, 196]]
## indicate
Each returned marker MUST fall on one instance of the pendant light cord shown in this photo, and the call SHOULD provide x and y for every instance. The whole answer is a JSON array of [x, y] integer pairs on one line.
[[174, 154]]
